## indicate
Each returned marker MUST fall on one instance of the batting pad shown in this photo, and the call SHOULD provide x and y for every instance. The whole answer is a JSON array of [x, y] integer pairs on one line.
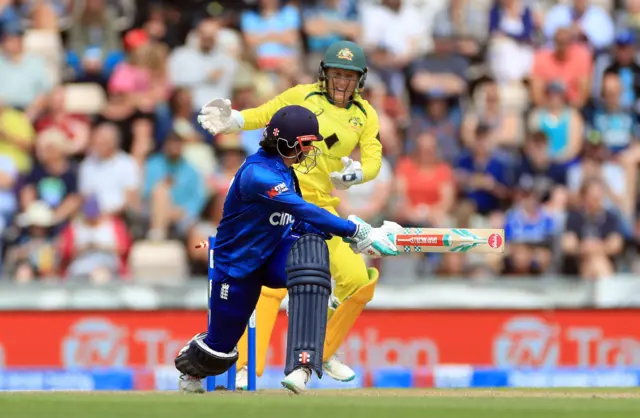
[[347, 313], [266, 314], [309, 286]]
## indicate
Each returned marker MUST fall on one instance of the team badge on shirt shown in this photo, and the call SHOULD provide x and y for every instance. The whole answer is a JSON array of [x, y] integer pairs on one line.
[[355, 123]]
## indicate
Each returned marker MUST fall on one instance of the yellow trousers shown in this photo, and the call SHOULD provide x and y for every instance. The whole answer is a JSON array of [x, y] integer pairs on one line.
[[350, 273]]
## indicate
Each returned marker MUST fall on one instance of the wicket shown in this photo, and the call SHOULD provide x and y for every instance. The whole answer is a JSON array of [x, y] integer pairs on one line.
[[251, 366]]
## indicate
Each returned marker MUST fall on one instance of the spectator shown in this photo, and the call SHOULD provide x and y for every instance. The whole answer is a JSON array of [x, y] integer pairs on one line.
[[548, 177], [53, 180], [467, 22], [510, 53], [94, 42], [561, 123], [442, 70], [8, 179], [592, 242], [425, 186], [198, 153], [530, 231], [206, 226], [135, 122], [391, 115], [174, 192], [231, 154], [204, 68], [272, 35], [16, 137], [45, 15], [628, 17], [371, 201], [586, 22], [488, 109], [245, 97], [393, 36], [29, 81], [595, 163], [327, 22], [442, 120], [94, 245], [143, 76], [617, 126], [76, 127], [623, 63], [482, 177], [568, 63], [9, 14], [34, 255], [512, 19], [109, 174]]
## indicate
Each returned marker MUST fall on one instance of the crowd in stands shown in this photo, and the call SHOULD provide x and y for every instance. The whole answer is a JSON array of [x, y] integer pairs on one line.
[[515, 114]]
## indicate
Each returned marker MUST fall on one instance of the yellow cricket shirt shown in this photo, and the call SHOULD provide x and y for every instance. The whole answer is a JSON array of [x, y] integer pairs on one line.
[[342, 129]]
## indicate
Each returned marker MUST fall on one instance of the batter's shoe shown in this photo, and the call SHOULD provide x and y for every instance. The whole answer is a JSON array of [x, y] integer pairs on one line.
[[242, 379], [190, 384], [297, 380]]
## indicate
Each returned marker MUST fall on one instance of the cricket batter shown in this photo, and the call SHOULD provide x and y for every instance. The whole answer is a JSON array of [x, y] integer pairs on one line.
[[346, 121], [270, 236]]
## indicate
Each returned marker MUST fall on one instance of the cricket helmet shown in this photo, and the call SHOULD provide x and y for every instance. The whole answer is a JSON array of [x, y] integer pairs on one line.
[[294, 128], [345, 55]]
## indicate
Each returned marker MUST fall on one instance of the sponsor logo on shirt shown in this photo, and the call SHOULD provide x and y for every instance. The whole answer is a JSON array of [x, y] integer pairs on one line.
[[281, 219], [276, 190]]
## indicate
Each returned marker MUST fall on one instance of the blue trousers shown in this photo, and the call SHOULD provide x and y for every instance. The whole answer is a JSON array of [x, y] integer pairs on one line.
[[233, 300]]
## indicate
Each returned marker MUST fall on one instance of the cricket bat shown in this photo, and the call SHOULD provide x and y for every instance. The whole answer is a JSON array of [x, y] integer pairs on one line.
[[450, 240]]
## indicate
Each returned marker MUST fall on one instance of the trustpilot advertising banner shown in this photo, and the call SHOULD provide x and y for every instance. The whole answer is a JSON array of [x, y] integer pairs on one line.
[[408, 339], [417, 348]]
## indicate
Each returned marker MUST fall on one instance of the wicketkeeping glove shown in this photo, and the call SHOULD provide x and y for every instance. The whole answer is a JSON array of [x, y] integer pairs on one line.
[[217, 116], [351, 174]]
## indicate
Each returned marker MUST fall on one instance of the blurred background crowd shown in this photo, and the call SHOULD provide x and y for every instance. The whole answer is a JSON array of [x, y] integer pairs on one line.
[[515, 114]]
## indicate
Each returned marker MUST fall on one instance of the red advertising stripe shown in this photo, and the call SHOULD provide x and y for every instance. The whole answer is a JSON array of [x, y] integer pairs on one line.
[[420, 240], [412, 338]]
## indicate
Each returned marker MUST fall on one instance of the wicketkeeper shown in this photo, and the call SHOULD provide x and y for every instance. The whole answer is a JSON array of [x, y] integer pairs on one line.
[[346, 121], [270, 236]]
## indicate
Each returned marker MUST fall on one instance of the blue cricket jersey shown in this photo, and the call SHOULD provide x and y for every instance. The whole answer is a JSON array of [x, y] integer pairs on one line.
[[259, 212]]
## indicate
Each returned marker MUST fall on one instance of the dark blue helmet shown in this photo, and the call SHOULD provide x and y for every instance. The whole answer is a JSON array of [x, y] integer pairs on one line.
[[294, 128]]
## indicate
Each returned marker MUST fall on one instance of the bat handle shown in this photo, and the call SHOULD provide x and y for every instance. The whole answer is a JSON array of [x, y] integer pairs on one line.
[[202, 244]]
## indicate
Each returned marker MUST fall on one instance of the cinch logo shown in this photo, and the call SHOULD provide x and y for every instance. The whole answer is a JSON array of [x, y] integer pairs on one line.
[[281, 219]]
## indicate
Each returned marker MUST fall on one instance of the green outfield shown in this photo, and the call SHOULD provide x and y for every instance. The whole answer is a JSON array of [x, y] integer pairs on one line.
[[369, 403]]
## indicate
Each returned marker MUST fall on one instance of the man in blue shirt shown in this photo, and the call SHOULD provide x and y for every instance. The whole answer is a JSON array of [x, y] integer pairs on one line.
[[270, 236], [482, 175], [174, 191], [530, 231]]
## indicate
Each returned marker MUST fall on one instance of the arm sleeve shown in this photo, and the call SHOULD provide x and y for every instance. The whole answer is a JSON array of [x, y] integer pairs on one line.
[[258, 117], [259, 184], [371, 147]]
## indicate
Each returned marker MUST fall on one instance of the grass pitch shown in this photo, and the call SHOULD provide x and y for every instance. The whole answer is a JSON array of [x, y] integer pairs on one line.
[[367, 403]]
